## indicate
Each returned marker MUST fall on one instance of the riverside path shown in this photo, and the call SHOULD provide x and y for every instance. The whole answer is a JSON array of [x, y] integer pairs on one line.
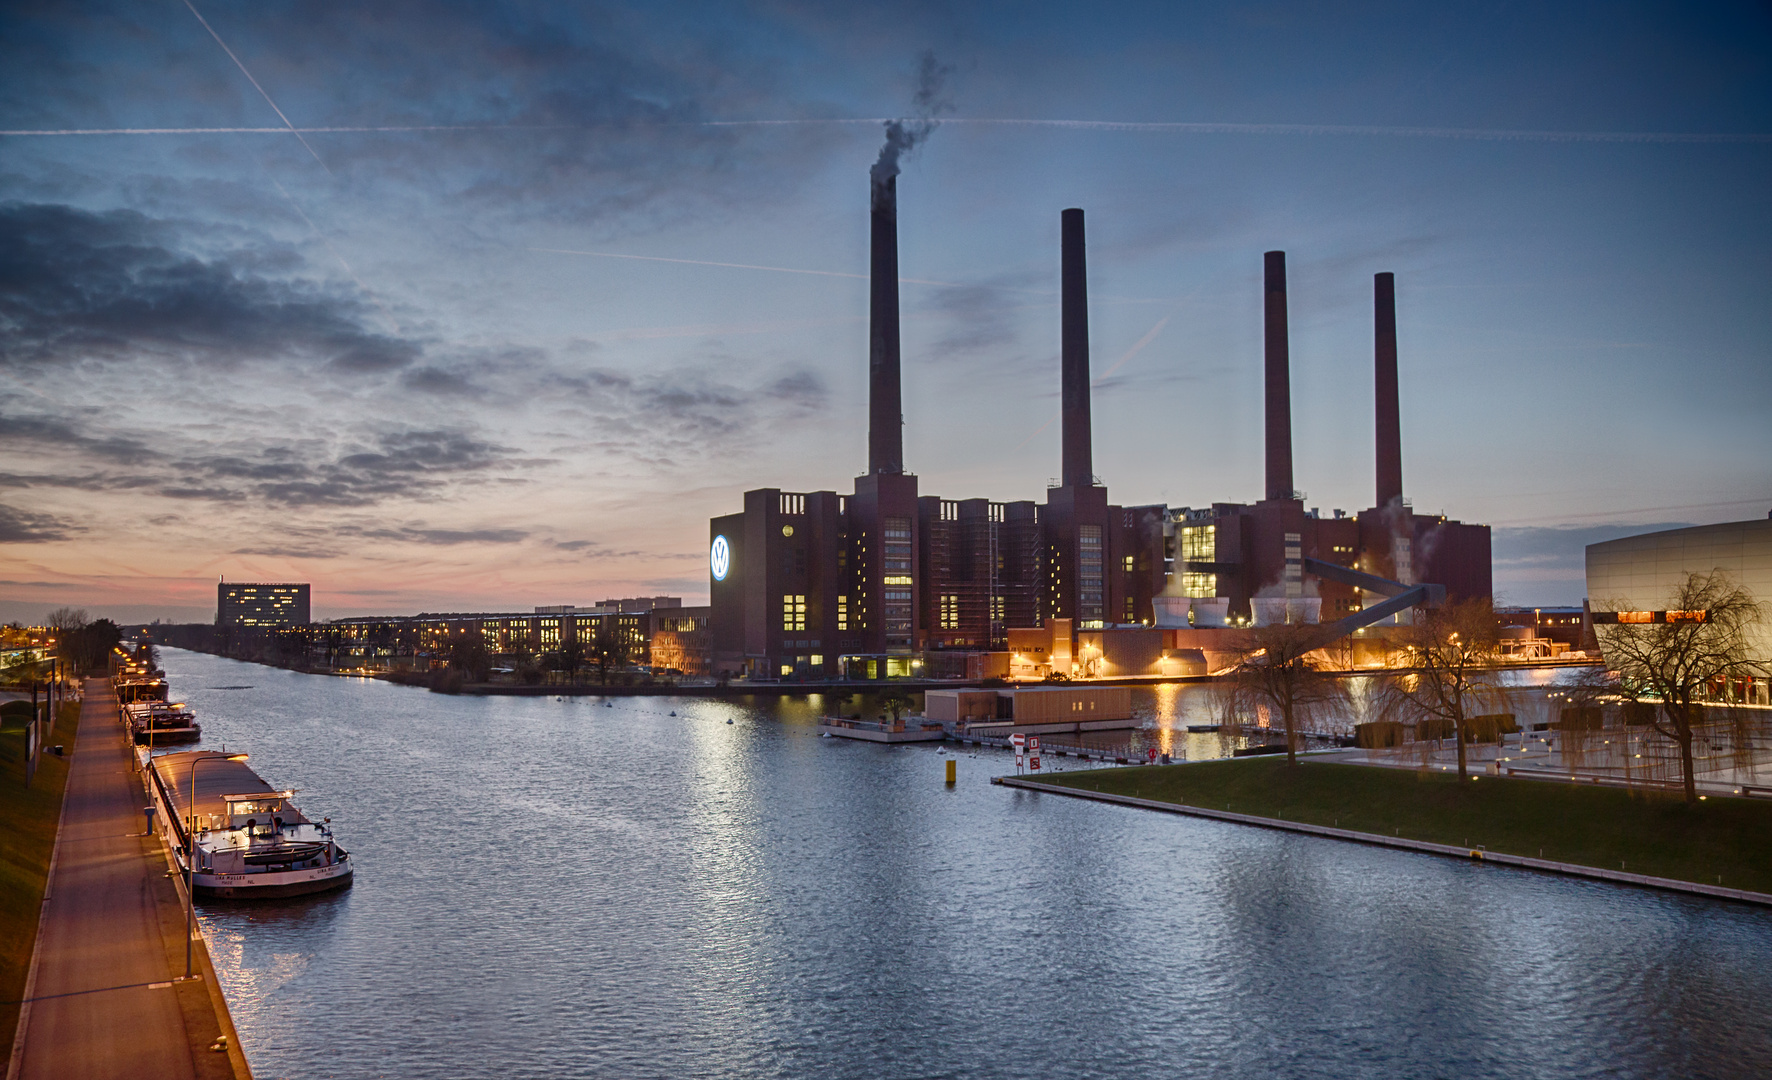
[[106, 996]]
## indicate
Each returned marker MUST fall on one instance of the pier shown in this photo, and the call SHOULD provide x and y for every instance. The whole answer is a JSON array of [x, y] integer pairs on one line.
[[107, 996]]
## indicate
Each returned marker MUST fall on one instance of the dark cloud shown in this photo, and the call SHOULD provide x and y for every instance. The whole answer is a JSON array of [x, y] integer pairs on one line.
[[368, 469], [26, 527], [678, 410], [77, 285]]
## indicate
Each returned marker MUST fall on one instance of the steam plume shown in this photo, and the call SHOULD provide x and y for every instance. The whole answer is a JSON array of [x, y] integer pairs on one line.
[[904, 135]]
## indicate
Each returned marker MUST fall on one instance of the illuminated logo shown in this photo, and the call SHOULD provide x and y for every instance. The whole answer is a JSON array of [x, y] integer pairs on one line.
[[720, 558]]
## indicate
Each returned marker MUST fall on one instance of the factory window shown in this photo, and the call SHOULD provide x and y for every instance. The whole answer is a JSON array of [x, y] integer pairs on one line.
[[898, 579], [950, 511], [997, 605], [1205, 585], [842, 613], [816, 660], [1131, 609], [793, 504], [996, 511], [787, 669], [793, 612], [898, 544], [1128, 561], [1199, 543], [1089, 568], [950, 611]]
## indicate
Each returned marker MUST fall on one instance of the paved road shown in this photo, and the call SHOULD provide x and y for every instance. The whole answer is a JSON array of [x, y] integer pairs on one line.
[[105, 1003]]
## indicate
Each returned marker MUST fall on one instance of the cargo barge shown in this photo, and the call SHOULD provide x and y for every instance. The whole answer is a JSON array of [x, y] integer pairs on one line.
[[237, 836], [159, 723]]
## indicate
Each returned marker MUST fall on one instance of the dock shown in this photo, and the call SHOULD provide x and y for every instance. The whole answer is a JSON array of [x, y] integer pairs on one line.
[[106, 996], [912, 730]]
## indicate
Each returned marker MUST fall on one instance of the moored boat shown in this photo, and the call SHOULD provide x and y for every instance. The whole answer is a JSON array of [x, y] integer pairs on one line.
[[236, 835], [160, 723]]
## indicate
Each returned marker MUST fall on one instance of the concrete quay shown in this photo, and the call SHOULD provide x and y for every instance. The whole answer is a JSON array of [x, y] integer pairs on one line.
[[1521, 862], [107, 996]]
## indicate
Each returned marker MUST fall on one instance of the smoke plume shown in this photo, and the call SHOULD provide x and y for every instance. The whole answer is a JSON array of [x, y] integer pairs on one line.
[[929, 102]]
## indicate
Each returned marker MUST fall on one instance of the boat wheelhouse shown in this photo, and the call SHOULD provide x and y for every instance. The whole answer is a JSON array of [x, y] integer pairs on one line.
[[238, 836], [160, 723]]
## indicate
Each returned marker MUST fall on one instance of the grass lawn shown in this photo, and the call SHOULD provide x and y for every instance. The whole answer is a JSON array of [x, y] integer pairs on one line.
[[28, 820], [1649, 833]]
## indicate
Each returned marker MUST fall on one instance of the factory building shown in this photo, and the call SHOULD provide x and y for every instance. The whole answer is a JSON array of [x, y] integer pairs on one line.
[[886, 581]]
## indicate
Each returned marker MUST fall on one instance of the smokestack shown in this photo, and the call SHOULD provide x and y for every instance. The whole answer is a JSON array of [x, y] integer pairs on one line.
[[1388, 423], [1078, 469], [1279, 388], [885, 406]]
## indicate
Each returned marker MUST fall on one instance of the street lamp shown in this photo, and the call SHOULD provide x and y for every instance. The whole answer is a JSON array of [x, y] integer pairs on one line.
[[191, 852]]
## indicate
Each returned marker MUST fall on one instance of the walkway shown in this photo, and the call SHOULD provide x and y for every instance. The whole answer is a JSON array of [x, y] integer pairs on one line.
[[106, 998]]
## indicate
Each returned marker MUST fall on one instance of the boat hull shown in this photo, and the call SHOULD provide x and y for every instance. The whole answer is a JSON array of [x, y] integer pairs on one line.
[[274, 886], [168, 736]]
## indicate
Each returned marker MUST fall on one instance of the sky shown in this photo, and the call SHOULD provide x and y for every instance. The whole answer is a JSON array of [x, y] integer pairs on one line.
[[485, 306]]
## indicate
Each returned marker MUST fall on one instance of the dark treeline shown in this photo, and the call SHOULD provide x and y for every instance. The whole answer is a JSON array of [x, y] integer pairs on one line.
[[297, 647]]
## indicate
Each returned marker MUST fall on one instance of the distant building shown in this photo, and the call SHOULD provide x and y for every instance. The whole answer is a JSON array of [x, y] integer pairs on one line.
[[1633, 578], [262, 604], [655, 631]]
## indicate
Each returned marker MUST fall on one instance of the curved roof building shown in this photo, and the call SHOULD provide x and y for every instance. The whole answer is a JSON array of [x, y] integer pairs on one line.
[[1641, 573]]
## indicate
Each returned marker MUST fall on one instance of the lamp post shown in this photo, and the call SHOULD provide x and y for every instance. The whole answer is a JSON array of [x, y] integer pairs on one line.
[[191, 852]]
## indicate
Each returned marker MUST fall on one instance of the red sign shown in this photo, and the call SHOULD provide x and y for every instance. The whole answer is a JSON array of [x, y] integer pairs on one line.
[[1033, 743], [1034, 762], [1018, 739], [1151, 754]]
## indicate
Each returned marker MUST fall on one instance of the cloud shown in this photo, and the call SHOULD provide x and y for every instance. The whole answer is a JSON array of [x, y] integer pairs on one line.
[[25, 527], [677, 411], [115, 285], [583, 112], [362, 469], [412, 535]]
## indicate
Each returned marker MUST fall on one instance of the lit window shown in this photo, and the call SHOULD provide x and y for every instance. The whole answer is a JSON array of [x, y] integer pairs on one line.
[[793, 612]]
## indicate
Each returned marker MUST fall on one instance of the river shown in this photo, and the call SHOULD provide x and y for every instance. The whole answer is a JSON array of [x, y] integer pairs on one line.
[[579, 889]]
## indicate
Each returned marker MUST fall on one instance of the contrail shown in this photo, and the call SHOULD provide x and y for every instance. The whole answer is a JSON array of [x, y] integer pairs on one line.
[[282, 130], [741, 266], [393, 327], [255, 84], [1151, 127], [1200, 128]]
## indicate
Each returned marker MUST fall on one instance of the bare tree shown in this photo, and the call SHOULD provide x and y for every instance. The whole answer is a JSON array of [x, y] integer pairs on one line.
[[1451, 653], [64, 619], [1702, 640], [1278, 674]]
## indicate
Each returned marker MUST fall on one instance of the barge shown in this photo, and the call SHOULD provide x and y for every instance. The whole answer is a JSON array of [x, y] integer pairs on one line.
[[237, 836], [159, 723]]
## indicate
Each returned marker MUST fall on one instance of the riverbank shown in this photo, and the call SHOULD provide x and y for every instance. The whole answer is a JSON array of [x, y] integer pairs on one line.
[[1720, 844], [27, 845]]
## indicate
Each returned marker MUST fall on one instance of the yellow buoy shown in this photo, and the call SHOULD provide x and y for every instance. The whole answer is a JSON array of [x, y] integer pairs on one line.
[[953, 770]]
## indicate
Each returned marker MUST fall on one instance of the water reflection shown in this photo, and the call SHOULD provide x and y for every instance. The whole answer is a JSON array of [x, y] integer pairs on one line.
[[568, 888]]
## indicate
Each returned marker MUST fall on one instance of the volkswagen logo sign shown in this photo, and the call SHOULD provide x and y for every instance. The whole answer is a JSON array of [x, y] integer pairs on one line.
[[720, 558]]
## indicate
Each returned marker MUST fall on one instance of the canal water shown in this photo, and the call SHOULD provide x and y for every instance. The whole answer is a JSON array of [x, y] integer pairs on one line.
[[579, 889]]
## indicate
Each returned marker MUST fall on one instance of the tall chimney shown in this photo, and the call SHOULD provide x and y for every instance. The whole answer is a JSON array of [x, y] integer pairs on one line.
[[885, 406], [1388, 423], [1078, 468], [1279, 388]]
